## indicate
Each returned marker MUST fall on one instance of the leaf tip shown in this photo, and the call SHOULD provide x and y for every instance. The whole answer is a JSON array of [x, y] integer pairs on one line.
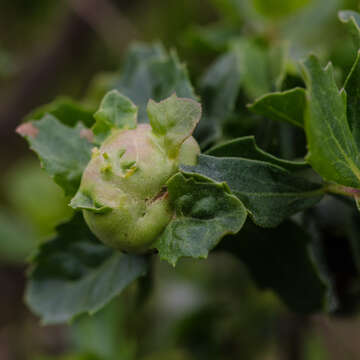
[[87, 134], [27, 130]]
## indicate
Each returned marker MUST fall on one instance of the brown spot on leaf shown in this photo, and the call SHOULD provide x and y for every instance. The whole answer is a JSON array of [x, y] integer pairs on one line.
[[87, 134], [163, 194], [27, 129]]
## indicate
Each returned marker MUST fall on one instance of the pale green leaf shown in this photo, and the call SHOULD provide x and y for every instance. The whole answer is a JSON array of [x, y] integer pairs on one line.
[[173, 120], [352, 20], [116, 112], [332, 150]]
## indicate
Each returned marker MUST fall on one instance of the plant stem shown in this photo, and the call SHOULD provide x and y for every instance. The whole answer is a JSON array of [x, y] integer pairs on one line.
[[342, 190]]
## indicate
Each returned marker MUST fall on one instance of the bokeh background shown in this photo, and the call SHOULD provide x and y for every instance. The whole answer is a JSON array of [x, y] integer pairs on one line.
[[200, 310]]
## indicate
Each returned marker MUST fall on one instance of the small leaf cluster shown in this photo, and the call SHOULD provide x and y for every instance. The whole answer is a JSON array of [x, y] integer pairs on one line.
[[256, 193]]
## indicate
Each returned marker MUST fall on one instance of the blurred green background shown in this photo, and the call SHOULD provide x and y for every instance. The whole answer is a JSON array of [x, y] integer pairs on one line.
[[200, 310]]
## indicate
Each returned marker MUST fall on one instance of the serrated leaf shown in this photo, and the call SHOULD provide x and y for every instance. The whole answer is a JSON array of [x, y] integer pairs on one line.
[[155, 75], [63, 151], [219, 89], [116, 111], [74, 274], [173, 120], [204, 213], [269, 192], [281, 259], [352, 88], [246, 147], [66, 110], [332, 150], [288, 106], [352, 20]]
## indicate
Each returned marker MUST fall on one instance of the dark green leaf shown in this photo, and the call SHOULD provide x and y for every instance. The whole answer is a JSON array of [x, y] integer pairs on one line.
[[65, 110], [246, 147], [281, 259], [219, 89], [288, 106], [205, 212], [151, 73], [352, 88], [64, 151], [75, 274], [332, 150], [269, 192], [116, 111]]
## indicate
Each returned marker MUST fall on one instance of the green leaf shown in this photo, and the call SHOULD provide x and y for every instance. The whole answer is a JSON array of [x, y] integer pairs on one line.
[[150, 73], [204, 213], [279, 8], [352, 88], [288, 106], [173, 120], [74, 274], [214, 37], [66, 110], [220, 86], [282, 260], [352, 20], [85, 202], [246, 147], [269, 192], [254, 66], [64, 151], [219, 89], [332, 150], [116, 112]]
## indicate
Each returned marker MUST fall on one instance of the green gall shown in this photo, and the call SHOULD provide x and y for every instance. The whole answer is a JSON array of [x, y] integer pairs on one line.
[[123, 192]]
